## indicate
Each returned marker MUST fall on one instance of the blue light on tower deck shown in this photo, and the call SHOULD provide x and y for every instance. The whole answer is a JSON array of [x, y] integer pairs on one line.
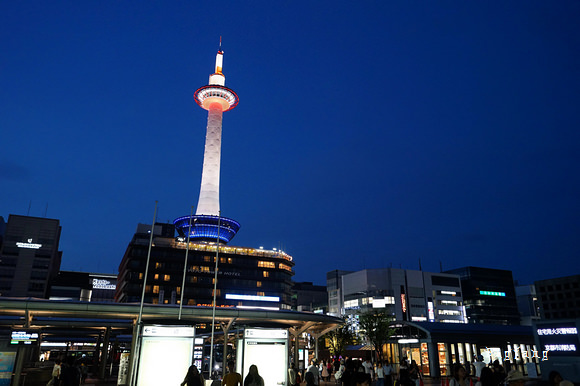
[[205, 228]]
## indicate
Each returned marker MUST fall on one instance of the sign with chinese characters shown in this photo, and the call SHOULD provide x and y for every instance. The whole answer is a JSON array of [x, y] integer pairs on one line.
[[559, 339]]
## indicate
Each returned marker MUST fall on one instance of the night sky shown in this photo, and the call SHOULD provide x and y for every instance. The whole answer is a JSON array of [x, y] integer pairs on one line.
[[369, 134]]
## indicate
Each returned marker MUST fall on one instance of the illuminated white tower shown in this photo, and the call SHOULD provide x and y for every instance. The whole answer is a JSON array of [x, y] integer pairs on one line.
[[215, 98]]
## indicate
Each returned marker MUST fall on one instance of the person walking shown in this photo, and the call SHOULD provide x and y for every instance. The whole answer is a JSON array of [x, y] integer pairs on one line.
[[55, 379], [193, 377], [313, 368], [232, 378], [253, 378], [292, 375]]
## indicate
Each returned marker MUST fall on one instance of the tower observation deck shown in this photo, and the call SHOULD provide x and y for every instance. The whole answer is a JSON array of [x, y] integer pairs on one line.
[[207, 224]]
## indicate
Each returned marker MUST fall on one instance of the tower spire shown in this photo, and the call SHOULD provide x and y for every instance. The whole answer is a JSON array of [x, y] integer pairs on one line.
[[208, 224]]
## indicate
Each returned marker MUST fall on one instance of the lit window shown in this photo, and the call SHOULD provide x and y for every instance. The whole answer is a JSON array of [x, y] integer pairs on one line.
[[155, 301], [258, 284], [266, 264], [193, 279], [207, 258], [266, 273], [156, 277], [166, 301], [261, 294], [230, 261], [141, 275], [155, 289], [284, 266], [204, 269], [178, 290], [166, 277]]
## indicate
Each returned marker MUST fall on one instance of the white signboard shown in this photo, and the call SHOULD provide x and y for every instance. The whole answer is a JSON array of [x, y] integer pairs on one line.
[[165, 357]]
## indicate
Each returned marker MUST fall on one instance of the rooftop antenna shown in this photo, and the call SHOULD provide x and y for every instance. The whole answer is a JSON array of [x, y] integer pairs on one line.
[[440, 266], [420, 269], [45, 210], [29, 205]]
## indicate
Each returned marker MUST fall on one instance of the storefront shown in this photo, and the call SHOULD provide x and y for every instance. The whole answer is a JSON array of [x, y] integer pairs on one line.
[[437, 346]]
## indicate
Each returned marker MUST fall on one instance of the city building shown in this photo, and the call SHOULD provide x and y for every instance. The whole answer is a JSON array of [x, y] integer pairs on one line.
[[489, 295], [334, 288], [560, 297], [406, 295], [83, 286], [29, 256], [528, 305], [247, 277]]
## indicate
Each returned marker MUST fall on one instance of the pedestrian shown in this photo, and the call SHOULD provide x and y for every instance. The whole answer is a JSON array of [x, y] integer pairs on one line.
[[415, 373], [70, 373], [388, 371], [55, 379], [486, 377], [380, 374], [232, 378], [309, 378], [459, 376], [292, 375], [479, 365], [324, 371], [193, 377], [313, 368], [253, 378]]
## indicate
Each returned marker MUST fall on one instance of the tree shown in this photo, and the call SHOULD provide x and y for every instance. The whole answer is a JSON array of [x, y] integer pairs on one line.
[[375, 327], [338, 339]]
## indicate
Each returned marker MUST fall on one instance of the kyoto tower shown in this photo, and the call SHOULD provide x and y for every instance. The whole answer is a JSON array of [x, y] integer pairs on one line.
[[215, 98]]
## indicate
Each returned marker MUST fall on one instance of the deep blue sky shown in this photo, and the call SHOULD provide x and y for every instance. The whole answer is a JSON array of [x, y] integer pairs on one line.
[[368, 133]]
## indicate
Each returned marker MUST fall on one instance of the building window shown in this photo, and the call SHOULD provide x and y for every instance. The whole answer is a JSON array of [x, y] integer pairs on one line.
[[261, 293], [141, 275], [207, 258], [159, 265], [156, 276], [265, 273], [266, 264], [284, 266], [193, 279], [166, 277], [155, 289], [258, 284]]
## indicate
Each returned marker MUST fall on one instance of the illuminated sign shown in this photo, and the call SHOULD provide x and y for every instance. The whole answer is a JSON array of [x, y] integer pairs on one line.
[[492, 293], [103, 284], [418, 318], [168, 331], [24, 337], [403, 341], [265, 333], [560, 347], [431, 311], [403, 303], [559, 339], [253, 297], [558, 331], [28, 245]]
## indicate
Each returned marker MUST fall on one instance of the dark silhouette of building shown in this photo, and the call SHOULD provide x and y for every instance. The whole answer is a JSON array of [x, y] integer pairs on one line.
[[560, 297], [309, 297], [29, 256], [488, 295]]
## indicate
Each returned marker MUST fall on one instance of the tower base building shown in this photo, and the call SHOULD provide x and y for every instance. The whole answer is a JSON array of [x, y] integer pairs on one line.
[[247, 277]]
